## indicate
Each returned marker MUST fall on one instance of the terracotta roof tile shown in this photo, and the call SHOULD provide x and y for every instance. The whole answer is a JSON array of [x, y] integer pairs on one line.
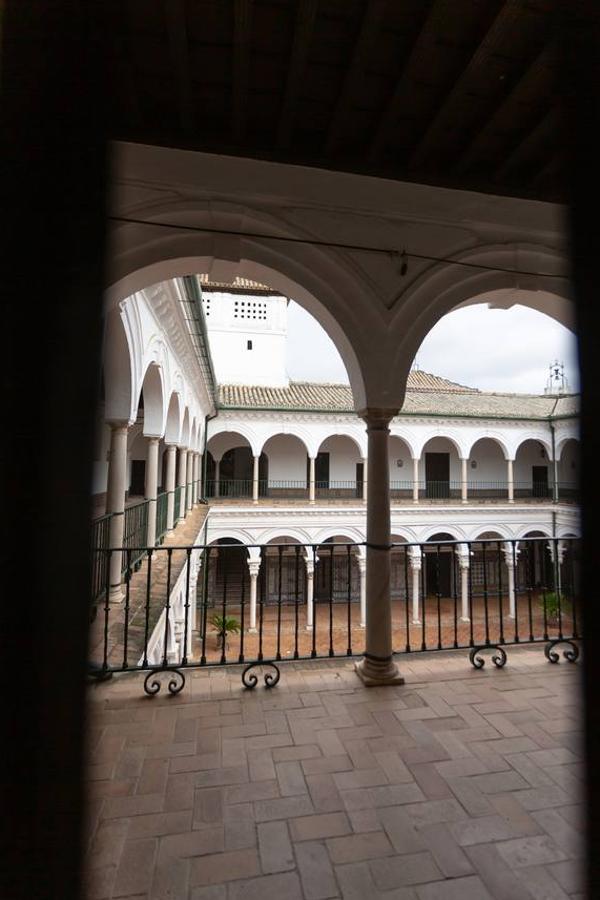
[[426, 394]]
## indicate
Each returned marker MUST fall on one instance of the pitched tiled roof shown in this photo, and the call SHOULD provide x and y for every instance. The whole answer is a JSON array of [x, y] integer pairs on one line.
[[238, 284], [426, 395]]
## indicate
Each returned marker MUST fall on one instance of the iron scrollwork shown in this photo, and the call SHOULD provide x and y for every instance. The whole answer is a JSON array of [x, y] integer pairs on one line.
[[499, 658], [270, 678], [153, 684], [571, 654]]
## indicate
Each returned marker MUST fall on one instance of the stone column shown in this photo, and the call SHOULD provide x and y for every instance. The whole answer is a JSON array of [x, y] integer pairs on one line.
[[362, 569], [510, 558], [217, 485], [181, 473], [377, 666], [311, 480], [463, 480], [462, 554], [170, 450], [151, 488], [190, 478], [115, 504], [415, 559], [309, 562], [195, 478], [416, 480], [255, 479], [510, 482], [365, 491], [254, 567]]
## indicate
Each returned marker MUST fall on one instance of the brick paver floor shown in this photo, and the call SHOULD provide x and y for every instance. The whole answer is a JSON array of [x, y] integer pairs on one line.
[[458, 785]]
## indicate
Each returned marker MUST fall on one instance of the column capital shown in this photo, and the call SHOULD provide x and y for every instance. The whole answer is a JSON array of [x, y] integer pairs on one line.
[[153, 438], [253, 567], [377, 418], [116, 424]]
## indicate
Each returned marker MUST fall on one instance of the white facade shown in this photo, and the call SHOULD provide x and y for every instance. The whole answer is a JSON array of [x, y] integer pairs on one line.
[[247, 337]]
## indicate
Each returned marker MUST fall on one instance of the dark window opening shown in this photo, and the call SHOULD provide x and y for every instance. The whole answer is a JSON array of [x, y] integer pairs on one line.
[[249, 345]]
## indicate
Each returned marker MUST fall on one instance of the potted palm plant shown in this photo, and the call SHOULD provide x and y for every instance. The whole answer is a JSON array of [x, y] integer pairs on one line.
[[224, 625]]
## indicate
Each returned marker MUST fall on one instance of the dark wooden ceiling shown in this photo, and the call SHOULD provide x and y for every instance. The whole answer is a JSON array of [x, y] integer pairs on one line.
[[450, 92]]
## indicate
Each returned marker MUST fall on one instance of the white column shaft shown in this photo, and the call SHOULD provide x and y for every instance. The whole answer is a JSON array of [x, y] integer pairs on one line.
[[171, 451], [253, 583], [511, 590], [463, 480], [311, 480], [151, 488], [365, 490], [416, 612], [378, 666], [310, 585], [181, 473], [363, 592], [464, 593], [190, 478], [255, 479], [217, 477], [509, 477], [115, 504], [416, 480]]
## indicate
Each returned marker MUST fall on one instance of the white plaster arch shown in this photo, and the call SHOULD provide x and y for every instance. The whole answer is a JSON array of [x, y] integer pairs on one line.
[[496, 439], [404, 435], [242, 535], [451, 435], [301, 535], [174, 419], [500, 532], [119, 370], [185, 428], [524, 530], [295, 431], [354, 534], [568, 531], [320, 279], [351, 435], [243, 429], [155, 410], [439, 287], [431, 530], [539, 436], [564, 439], [406, 535]]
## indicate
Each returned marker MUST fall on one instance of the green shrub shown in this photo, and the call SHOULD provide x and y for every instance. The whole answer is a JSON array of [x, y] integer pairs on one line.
[[552, 605]]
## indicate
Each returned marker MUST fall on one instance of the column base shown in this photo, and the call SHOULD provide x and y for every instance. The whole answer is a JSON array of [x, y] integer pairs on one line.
[[416, 622], [464, 501], [309, 628], [376, 672], [464, 619], [253, 631], [115, 594]]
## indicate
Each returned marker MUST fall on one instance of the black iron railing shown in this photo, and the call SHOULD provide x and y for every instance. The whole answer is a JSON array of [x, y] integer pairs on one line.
[[100, 542], [135, 532], [230, 604], [161, 517]]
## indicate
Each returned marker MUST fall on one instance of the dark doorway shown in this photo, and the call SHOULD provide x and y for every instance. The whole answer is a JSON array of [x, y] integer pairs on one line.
[[438, 572], [539, 479], [437, 475], [137, 488], [321, 470], [360, 478]]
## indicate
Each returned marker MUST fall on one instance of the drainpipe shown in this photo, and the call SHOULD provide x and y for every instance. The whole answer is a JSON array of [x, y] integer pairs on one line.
[[554, 465]]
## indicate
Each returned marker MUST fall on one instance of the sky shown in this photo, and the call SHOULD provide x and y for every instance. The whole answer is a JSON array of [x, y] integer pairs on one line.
[[490, 349]]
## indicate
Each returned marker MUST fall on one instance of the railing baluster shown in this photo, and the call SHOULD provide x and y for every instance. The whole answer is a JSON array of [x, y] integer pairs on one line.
[[147, 607], [438, 596], [261, 600], [296, 598], [168, 603], [224, 569], [279, 580], [243, 611], [423, 603], [485, 595], [404, 550], [455, 593], [470, 583], [349, 601], [530, 575], [500, 599], [313, 651], [331, 561], [106, 609], [186, 607], [126, 607], [206, 561]]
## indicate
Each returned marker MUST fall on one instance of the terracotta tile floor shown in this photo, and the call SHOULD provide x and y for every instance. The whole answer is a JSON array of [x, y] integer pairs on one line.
[[459, 784]]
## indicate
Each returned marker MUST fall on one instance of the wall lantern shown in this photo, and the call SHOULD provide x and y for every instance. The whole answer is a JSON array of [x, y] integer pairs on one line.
[[399, 463], [473, 463]]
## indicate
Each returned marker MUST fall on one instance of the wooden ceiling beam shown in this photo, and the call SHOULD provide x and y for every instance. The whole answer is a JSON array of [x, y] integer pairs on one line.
[[496, 39], [539, 138], [180, 61], [363, 51], [306, 13], [420, 53], [242, 33], [507, 111]]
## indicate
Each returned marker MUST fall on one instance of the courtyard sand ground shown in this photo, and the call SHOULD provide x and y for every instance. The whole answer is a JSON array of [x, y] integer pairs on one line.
[[460, 784]]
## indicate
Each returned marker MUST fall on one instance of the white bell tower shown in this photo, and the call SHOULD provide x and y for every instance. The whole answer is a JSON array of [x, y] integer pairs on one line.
[[247, 330]]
